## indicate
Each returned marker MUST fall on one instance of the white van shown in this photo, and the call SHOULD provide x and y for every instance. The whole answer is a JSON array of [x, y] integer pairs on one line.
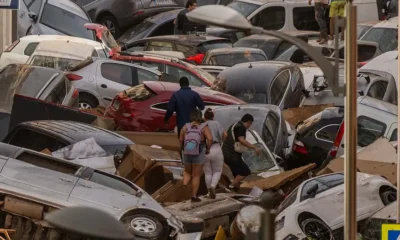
[[293, 15], [20, 50], [60, 54]]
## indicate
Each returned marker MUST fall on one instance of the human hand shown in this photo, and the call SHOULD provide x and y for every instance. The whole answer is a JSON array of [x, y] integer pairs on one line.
[[309, 2], [257, 150]]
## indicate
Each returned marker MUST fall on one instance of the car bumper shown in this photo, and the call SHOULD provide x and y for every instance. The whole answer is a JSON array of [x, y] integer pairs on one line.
[[188, 236]]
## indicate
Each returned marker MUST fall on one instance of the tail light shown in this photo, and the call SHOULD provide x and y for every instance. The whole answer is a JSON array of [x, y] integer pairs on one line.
[[139, 12], [196, 58], [360, 64], [337, 142], [76, 93], [73, 77], [299, 147], [12, 46]]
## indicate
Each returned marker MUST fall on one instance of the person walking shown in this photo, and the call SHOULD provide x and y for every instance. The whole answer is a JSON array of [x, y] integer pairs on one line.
[[234, 145], [336, 10], [320, 10], [179, 22], [196, 141], [183, 102], [214, 161]]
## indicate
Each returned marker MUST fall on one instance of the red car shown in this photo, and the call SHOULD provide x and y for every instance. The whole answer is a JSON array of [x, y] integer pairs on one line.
[[143, 107], [169, 65]]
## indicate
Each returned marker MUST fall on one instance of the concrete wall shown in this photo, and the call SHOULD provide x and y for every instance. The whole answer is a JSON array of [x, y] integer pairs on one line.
[[5, 28]]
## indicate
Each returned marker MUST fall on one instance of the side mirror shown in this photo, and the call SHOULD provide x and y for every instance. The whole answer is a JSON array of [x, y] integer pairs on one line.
[[313, 191], [33, 16]]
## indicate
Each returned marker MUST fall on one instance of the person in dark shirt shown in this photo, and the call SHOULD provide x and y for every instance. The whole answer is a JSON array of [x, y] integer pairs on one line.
[[183, 102], [234, 159], [181, 18]]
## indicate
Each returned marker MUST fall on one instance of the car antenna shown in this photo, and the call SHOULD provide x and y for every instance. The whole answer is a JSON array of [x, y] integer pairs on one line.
[[238, 107], [250, 66]]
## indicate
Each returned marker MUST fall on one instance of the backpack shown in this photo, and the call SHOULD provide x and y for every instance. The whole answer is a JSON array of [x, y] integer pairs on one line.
[[192, 141]]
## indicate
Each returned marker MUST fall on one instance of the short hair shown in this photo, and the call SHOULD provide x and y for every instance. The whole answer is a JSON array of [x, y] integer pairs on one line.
[[247, 118], [196, 115], [190, 3], [209, 115], [184, 82]]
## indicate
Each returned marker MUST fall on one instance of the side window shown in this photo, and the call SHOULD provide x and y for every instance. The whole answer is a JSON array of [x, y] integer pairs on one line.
[[137, 47], [161, 106], [117, 73], [304, 18], [110, 182], [279, 87], [23, 138], [271, 18], [270, 132], [30, 48], [394, 136], [230, 35], [35, 6], [282, 47], [332, 180], [184, 49], [58, 94], [321, 187], [327, 133], [377, 90], [144, 75], [369, 130], [178, 73], [165, 29], [160, 46], [95, 54], [151, 65]]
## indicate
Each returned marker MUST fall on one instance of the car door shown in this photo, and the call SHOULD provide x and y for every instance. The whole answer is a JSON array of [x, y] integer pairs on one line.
[[33, 7], [278, 92], [41, 176], [270, 131], [392, 133], [24, 22], [101, 190], [113, 77]]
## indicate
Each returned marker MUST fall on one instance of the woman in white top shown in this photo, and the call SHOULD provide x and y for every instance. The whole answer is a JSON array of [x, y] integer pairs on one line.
[[214, 161]]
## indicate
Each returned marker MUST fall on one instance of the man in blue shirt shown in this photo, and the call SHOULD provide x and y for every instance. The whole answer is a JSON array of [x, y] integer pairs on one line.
[[183, 102]]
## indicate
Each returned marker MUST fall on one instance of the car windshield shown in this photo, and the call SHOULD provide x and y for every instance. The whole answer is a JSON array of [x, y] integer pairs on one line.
[[137, 32], [235, 58], [252, 97], [22, 80], [362, 29], [385, 37], [215, 44], [308, 123], [243, 7], [258, 163], [53, 62], [65, 22], [268, 47], [204, 74], [227, 117]]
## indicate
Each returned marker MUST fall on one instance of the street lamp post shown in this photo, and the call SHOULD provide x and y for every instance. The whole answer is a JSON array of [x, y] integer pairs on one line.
[[398, 125]]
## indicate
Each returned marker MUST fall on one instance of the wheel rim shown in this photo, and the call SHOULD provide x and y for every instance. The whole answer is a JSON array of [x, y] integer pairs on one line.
[[142, 224], [110, 25], [83, 105], [391, 197], [317, 230]]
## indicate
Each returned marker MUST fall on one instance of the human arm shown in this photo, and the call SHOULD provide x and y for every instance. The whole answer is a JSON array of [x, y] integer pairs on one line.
[[240, 132], [170, 108], [208, 138], [182, 135], [309, 2], [199, 102], [224, 136]]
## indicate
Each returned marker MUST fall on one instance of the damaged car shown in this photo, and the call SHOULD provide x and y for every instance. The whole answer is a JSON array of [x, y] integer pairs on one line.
[[314, 210], [34, 179]]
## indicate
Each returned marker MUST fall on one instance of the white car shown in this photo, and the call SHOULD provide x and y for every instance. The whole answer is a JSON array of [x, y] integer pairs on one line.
[[315, 209], [20, 50]]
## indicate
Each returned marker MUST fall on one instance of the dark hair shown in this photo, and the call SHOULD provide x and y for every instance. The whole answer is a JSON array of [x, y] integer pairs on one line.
[[209, 115], [196, 115], [247, 118], [184, 82], [190, 3]]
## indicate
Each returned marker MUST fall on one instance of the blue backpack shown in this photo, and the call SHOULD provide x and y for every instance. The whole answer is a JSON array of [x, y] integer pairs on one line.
[[192, 142]]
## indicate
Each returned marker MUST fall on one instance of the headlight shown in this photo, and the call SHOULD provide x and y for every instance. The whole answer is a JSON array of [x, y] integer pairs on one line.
[[279, 224]]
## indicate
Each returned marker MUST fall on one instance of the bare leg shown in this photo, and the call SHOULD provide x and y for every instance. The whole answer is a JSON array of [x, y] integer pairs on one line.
[[237, 180], [197, 171], [187, 174]]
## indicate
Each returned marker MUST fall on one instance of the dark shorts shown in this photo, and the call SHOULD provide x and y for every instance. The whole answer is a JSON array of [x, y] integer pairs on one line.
[[238, 167]]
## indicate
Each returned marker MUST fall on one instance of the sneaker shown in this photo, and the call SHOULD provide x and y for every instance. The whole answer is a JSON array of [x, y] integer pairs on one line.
[[211, 192], [195, 199]]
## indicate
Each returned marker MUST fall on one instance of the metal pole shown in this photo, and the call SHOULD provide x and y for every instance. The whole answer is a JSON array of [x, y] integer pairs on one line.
[[350, 227], [267, 228], [398, 125]]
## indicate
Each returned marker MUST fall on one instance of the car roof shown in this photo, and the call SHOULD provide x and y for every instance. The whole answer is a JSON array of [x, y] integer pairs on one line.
[[109, 60], [164, 16], [191, 39], [378, 105], [269, 37], [73, 132], [391, 23], [64, 49], [40, 38], [69, 6], [221, 51], [261, 74]]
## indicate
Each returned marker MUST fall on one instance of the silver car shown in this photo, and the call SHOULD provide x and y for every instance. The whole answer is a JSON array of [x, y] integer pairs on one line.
[[101, 79], [36, 177], [54, 17], [46, 84]]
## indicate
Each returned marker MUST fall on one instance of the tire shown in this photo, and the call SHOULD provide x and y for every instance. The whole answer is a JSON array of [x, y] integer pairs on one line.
[[388, 197], [87, 101], [144, 226], [111, 23], [323, 232]]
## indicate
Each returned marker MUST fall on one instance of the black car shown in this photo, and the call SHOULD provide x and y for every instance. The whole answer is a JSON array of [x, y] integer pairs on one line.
[[273, 46], [268, 82], [315, 137], [54, 135], [189, 45]]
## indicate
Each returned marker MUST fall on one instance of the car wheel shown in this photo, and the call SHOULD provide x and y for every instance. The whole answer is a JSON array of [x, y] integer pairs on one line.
[[87, 102], [388, 197], [143, 226], [316, 229], [111, 23]]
